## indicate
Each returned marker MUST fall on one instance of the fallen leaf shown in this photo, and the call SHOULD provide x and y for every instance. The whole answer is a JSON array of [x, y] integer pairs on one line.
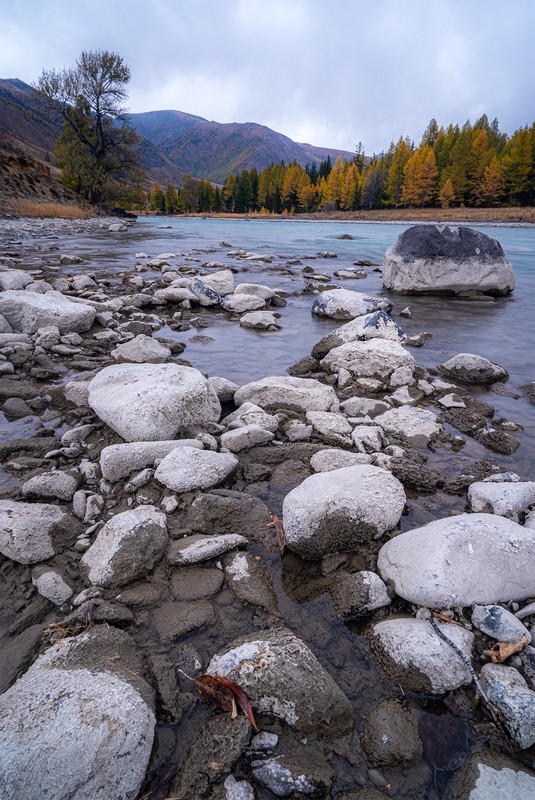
[[501, 651], [279, 530], [219, 692]]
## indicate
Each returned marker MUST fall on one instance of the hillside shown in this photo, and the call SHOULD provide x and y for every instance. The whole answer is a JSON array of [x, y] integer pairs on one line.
[[27, 124], [213, 150], [173, 143]]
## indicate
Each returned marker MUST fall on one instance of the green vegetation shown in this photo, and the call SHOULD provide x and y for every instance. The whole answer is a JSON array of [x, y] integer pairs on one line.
[[473, 166], [97, 149]]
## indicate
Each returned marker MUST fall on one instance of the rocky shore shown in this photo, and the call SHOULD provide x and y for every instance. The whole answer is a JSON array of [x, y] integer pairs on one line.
[[157, 524]]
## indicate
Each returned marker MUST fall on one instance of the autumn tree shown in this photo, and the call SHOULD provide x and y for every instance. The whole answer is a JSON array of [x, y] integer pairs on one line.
[[157, 198], [97, 148], [396, 173], [492, 187], [171, 200], [446, 195]]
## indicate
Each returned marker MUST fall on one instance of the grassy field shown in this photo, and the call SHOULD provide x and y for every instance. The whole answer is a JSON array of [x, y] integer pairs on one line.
[[47, 209]]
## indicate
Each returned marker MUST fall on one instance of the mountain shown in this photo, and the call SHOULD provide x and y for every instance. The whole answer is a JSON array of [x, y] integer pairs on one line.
[[213, 150], [172, 145], [29, 127]]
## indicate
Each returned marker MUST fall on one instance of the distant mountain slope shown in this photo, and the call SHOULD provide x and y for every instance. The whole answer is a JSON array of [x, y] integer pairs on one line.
[[27, 124], [213, 150], [173, 143]]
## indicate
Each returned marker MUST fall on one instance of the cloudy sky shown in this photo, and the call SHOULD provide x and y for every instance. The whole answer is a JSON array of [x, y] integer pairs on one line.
[[328, 72]]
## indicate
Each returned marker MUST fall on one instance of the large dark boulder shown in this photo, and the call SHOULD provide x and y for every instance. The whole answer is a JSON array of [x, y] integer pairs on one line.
[[435, 259]]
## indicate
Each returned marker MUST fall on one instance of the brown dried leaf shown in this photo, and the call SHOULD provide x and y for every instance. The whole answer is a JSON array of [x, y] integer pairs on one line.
[[212, 691], [501, 651], [219, 692], [279, 530]]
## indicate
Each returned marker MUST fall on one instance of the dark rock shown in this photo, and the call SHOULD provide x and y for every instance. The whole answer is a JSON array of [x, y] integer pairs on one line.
[[528, 390], [17, 652], [223, 511], [163, 673], [196, 583], [142, 595], [464, 420], [12, 388], [497, 440], [250, 581], [16, 408], [389, 736], [32, 615], [415, 476], [220, 743], [304, 367], [174, 620]]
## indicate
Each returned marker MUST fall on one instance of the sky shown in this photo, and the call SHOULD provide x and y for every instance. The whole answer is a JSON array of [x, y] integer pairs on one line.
[[328, 72]]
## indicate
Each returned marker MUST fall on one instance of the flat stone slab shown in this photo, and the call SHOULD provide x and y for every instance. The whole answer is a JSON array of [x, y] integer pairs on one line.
[[28, 311], [461, 560], [28, 530], [199, 548]]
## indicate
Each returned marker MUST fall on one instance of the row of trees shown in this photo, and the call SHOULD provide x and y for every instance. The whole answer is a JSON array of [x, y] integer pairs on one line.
[[476, 165]]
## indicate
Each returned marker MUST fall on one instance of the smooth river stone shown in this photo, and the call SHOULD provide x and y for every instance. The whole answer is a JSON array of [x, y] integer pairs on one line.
[[460, 561]]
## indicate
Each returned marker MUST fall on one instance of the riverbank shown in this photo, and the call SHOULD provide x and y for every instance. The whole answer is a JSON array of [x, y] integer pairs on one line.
[[157, 554]]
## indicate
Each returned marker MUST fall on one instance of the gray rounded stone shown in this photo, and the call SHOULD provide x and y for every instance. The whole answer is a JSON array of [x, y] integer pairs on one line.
[[499, 623], [28, 530], [127, 547], [470, 368], [187, 468], [416, 658], [28, 311], [507, 689], [77, 726], [296, 394], [341, 509], [461, 560], [507, 498], [51, 484]]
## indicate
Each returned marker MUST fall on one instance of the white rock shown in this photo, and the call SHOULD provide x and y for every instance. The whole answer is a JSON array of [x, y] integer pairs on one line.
[[223, 388], [260, 320], [245, 437], [435, 258], [333, 458], [363, 407], [221, 282], [345, 304], [50, 584], [143, 349], [28, 311], [117, 227], [329, 423], [27, 530], [471, 368], [508, 691], [50, 484], [187, 468], [378, 325], [452, 400], [152, 402], [75, 726], [376, 358], [415, 427], [15, 279], [199, 548], [357, 594], [368, 438], [120, 460], [251, 414], [508, 499], [341, 509], [419, 659], [238, 303], [297, 431], [461, 560], [405, 396], [296, 394], [255, 289], [127, 547]]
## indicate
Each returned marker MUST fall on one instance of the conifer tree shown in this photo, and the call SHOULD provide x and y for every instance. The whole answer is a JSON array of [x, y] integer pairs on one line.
[[446, 195]]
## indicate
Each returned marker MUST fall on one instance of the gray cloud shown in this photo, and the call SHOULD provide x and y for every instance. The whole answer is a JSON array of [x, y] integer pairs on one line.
[[330, 74]]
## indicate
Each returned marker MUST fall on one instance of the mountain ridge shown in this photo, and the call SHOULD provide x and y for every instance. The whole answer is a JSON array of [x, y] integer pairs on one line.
[[173, 143]]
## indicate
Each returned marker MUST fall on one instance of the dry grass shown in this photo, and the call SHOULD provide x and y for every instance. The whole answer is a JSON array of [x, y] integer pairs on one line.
[[471, 215], [48, 210]]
